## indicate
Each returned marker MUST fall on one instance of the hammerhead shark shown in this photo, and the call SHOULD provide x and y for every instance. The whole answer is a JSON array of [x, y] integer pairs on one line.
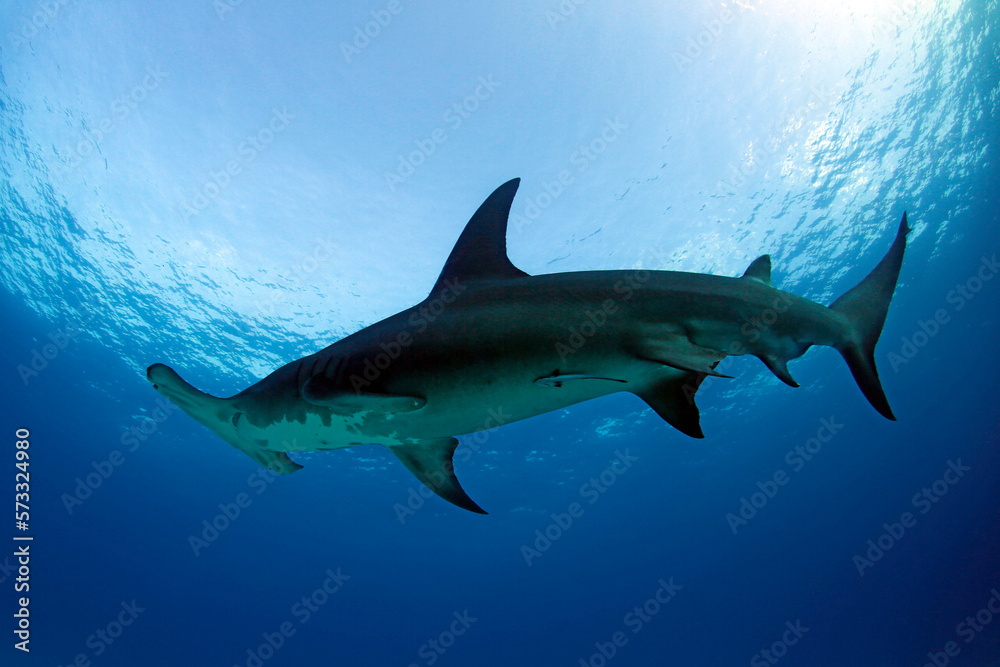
[[492, 345]]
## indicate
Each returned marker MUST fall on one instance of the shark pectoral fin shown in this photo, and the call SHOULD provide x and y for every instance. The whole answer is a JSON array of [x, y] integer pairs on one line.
[[673, 400], [274, 461], [430, 461], [320, 391], [680, 353]]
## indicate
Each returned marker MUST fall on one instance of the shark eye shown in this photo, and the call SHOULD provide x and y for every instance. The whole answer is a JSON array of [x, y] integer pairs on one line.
[[236, 418]]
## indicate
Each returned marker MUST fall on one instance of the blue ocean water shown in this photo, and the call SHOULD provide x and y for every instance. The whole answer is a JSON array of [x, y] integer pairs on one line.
[[229, 186]]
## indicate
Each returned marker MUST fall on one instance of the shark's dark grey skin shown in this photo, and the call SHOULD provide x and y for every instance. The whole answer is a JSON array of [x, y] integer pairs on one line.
[[492, 345]]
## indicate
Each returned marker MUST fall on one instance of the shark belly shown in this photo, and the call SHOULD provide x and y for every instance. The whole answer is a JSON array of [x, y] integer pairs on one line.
[[314, 432], [464, 407]]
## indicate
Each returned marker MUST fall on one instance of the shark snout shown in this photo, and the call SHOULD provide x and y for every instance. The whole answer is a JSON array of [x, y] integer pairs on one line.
[[167, 382]]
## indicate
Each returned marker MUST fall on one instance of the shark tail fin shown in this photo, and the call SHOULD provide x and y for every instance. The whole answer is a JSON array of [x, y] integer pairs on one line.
[[865, 307]]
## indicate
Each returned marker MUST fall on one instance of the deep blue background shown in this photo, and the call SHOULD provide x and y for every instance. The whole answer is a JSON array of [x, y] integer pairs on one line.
[[663, 518]]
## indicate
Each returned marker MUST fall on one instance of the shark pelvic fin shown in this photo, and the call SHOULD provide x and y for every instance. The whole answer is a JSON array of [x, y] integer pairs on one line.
[[481, 251], [321, 391], [673, 400], [779, 368], [677, 351], [274, 461], [760, 270], [865, 307], [430, 461]]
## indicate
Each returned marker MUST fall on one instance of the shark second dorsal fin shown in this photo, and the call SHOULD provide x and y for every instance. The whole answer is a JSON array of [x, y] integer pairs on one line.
[[481, 251], [760, 270]]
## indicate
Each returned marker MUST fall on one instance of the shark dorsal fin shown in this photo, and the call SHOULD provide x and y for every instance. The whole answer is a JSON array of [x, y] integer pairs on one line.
[[481, 251], [760, 270]]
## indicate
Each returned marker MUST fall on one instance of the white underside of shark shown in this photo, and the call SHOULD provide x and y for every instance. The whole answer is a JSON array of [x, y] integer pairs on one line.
[[492, 345]]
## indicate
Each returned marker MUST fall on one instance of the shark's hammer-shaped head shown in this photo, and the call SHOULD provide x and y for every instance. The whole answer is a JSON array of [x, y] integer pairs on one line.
[[203, 407], [167, 382], [221, 415]]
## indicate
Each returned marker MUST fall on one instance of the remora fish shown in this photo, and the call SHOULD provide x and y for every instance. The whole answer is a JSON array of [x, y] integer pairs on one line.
[[492, 344]]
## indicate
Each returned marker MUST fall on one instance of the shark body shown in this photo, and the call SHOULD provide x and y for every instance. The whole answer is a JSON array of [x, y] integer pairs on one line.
[[492, 345]]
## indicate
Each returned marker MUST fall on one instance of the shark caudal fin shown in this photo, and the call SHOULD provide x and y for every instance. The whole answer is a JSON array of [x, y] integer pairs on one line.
[[865, 306]]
